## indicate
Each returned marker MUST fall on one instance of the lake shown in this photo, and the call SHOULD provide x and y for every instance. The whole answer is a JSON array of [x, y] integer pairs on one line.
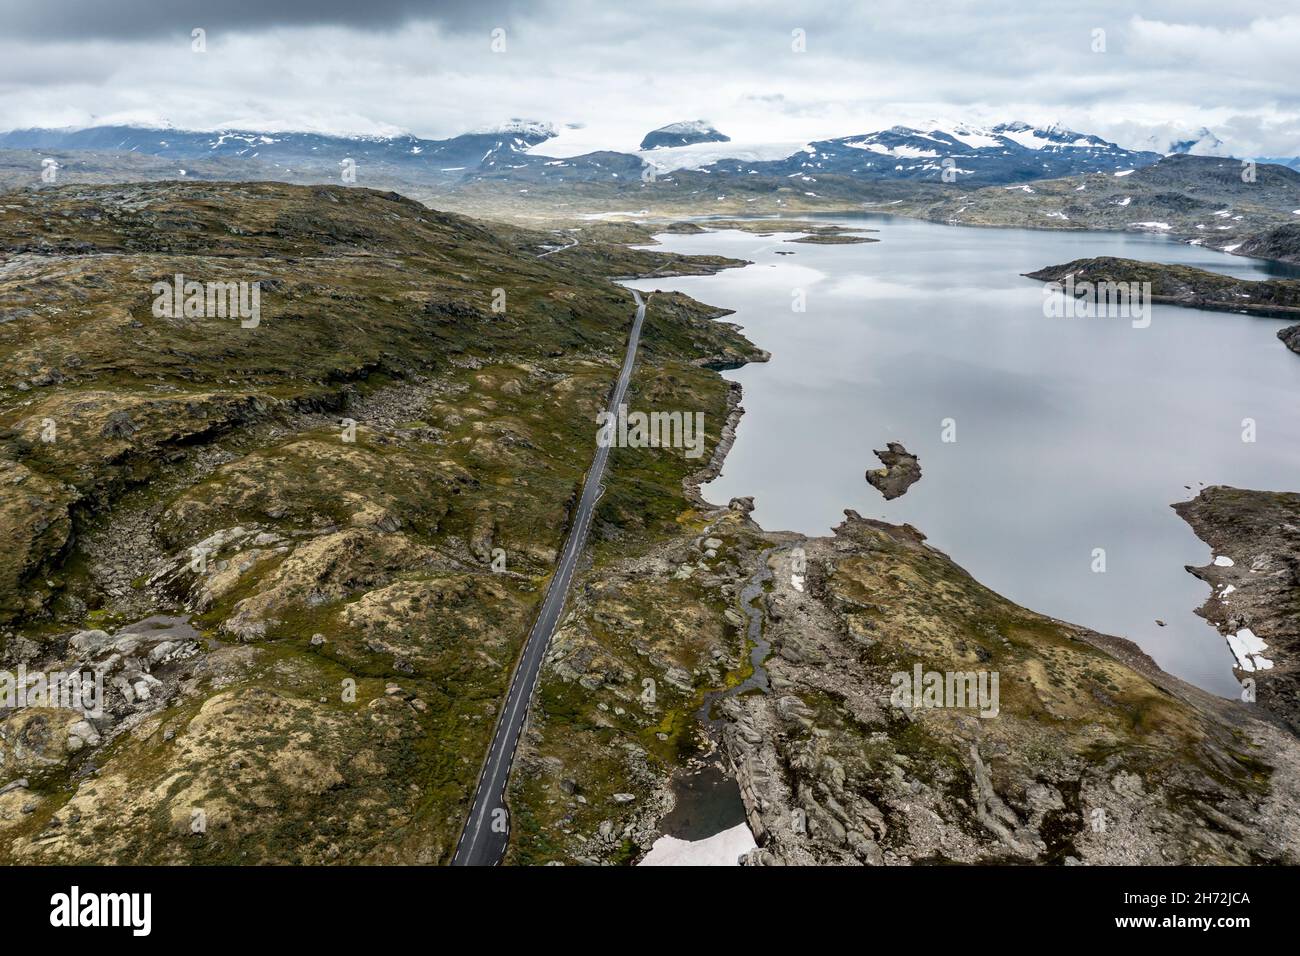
[[1071, 434]]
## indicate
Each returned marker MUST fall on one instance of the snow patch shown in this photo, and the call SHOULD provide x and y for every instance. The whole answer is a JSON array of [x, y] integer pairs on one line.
[[1247, 649], [721, 849], [898, 152], [697, 155], [972, 137], [523, 127]]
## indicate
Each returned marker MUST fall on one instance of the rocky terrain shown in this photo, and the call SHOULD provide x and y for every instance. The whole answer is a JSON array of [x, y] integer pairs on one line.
[[1219, 203], [1281, 243], [1290, 337], [1010, 174], [1254, 584], [1091, 754], [301, 554]]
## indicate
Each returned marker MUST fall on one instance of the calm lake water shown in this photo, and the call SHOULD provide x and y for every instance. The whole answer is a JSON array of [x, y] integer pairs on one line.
[[1071, 433]]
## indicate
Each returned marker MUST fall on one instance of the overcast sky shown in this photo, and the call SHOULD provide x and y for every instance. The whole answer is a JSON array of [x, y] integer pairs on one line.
[[622, 68]]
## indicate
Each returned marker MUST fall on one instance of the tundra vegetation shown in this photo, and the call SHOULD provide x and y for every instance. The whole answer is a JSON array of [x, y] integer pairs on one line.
[[305, 554]]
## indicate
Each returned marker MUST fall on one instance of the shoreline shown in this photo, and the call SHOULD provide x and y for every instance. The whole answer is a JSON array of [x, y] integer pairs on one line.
[[1253, 581], [1122, 648], [876, 597]]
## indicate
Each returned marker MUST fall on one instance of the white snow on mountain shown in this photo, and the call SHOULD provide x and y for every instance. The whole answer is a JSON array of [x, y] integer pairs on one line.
[[668, 158], [976, 137], [1033, 137], [972, 136], [902, 152], [687, 126], [521, 127]]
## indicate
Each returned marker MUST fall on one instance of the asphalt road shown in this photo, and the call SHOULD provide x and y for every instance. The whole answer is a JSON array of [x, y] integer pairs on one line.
[[483, 841]]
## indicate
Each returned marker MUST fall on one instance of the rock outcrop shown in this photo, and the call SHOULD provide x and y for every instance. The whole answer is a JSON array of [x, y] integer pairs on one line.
[[1254, 584], [902, 470], [1290, 337]]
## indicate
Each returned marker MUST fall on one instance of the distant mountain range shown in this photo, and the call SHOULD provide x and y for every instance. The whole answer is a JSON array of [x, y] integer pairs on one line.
[[1008, 152], [1200, 199], [952, 173], [466, 151]]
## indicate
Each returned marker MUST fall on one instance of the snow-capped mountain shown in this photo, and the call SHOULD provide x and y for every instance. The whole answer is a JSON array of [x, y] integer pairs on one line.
[[683, 134], [516, 152], [665, 159], [1008, 152], [290, 149], [534, 130]]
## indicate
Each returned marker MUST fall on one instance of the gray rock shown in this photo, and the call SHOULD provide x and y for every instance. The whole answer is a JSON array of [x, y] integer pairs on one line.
[[85, 731], [902, 470], [160, 651], [1290, 337], [90, 643]]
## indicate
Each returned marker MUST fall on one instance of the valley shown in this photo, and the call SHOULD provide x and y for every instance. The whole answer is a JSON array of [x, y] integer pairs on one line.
[[305, 556]]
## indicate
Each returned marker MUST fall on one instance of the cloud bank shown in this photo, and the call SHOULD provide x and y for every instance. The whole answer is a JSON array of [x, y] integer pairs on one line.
[[759, 71]]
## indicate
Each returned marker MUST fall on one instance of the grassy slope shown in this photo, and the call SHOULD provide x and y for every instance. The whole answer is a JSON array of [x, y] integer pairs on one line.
[[169, 430]]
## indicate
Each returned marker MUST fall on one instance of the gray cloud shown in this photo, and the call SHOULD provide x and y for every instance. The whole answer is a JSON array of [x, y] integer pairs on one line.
[[624, 68], [136, 19]]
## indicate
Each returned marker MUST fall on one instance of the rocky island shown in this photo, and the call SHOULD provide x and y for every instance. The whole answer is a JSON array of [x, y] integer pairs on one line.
[[1183, 285], [902, 470]]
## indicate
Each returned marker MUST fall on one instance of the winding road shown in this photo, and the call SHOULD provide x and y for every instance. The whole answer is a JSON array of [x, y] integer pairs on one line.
[[487, 830]]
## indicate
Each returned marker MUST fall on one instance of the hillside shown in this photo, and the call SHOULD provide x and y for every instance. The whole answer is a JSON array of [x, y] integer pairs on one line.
[[1195, 198], [289, 608], [305, 552], [1183, 285]]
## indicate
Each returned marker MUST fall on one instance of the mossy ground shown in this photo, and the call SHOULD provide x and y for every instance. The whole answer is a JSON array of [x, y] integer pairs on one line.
[[475, 428]]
